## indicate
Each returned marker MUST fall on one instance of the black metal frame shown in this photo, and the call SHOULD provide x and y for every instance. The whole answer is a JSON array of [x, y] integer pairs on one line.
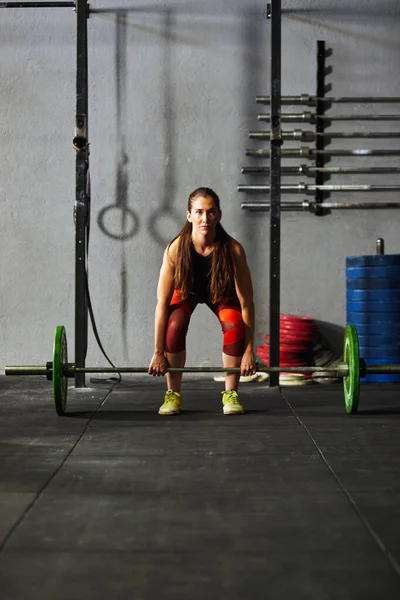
[[82, 187], [37, 4], [274, 13], [82, 190]]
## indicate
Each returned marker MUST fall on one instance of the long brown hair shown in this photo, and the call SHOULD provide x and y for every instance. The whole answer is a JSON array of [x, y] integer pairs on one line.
[[222, 282]]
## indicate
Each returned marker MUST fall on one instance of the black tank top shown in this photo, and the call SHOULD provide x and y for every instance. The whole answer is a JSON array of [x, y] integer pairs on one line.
[[201, 270]]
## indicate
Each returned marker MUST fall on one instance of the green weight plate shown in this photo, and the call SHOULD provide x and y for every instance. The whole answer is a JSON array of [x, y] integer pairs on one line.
[[351, 382], [60, 364]]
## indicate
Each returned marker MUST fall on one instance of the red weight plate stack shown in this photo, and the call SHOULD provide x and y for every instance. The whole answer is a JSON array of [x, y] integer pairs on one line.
[[297, 338]]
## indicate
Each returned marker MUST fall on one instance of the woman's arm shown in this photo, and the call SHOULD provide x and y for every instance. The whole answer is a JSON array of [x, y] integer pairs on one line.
[[165, 289], [244, 290]]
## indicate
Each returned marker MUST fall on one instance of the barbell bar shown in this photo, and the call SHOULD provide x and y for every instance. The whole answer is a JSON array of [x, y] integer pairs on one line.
[[303, 188], [311, 171], [306, 152], [59, 370], [71, 370], [313, 206], [311, 100], [309, 117], [311, 136]]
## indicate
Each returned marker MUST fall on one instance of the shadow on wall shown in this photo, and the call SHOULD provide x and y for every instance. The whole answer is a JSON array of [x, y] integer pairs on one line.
[[128, 222], [118, 221], [334, 335], [165, 211], [254, 34]]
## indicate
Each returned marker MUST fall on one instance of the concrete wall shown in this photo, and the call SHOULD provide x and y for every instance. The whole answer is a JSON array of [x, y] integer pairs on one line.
[[172, 91]]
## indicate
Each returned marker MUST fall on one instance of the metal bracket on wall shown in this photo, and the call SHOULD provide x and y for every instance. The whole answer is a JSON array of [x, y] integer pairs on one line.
[[320, 158]]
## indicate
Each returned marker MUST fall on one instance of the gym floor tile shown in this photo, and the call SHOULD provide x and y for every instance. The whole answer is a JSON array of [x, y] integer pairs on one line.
[[182, 439], [12, 506], [209, 474], [382, 511], [230, 521], [46, 442], [367, 472], [26, 473], [377, 402], [197, 575]]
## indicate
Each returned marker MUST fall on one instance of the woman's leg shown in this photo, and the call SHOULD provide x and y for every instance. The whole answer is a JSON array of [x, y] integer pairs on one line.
[[231, 379], [174, 380], [230, 317], [175, 338]]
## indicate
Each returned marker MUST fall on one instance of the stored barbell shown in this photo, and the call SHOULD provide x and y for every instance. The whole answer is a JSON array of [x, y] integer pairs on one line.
[[306, 152], [305, 205], [309, 117], [59, 370], [304, 188], [311, 136], [311, 100], [311, 171]]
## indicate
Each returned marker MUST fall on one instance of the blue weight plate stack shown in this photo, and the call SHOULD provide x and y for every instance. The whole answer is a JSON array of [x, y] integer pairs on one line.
[[373, 306]]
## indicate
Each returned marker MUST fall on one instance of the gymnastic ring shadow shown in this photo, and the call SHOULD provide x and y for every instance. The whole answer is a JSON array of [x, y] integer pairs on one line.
[[165, 212], [128, 216], [125, 211]]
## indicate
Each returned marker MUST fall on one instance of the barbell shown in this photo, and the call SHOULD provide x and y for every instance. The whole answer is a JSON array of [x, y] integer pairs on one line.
[[351, 369], [309, 117], [304, 188], [306, 152], [311, 100], [311, 136], [311, 171], [305, 205]]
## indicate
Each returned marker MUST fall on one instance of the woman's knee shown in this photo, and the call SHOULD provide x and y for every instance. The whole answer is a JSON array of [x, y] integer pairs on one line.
[[234, 339]]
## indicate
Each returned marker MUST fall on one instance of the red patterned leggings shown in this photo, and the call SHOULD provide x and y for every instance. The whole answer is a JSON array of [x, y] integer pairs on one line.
[[228, 312]]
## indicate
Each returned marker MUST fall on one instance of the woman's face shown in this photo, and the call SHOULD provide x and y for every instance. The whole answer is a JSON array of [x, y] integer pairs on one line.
[[204, 215]]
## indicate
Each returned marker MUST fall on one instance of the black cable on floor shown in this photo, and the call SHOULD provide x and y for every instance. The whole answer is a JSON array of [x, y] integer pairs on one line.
[[88, 298], [96, 335]]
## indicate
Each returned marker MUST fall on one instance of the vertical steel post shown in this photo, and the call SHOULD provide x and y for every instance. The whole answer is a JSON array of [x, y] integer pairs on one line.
[[82, 204], [275, 189]]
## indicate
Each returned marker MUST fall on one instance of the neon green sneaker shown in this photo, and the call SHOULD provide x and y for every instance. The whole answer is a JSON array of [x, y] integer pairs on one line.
[[172, 403], [231, 403]]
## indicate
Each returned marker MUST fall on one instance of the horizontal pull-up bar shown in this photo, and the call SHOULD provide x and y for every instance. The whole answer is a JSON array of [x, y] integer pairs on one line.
[[73, 5], [37, 4]]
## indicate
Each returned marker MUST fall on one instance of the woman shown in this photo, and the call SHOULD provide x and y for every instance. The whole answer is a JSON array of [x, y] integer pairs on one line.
[[203, 264]]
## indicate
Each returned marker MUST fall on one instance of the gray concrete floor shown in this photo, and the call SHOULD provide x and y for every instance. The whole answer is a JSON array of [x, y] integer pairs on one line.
[[293, 500]]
